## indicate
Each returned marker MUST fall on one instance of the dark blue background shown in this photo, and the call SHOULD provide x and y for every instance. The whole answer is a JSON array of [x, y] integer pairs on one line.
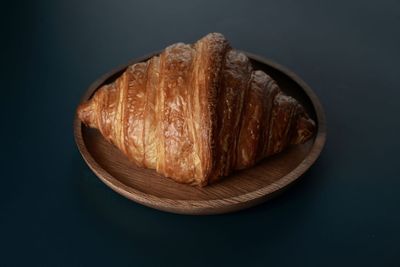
[[55, 212]]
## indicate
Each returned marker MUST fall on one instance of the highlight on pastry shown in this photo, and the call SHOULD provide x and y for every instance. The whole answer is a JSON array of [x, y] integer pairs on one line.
[[197, 112]]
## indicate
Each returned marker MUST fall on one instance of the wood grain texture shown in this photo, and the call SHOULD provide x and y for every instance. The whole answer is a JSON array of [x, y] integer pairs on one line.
[[243, 189]]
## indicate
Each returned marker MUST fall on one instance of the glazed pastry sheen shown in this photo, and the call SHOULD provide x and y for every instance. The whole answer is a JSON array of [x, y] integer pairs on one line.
[[197, 112]]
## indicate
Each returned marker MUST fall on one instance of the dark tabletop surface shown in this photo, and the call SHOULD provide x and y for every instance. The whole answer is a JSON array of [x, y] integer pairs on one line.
[[345, 211]]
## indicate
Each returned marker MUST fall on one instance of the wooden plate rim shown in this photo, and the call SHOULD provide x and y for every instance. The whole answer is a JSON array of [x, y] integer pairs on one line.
[[207, 206]]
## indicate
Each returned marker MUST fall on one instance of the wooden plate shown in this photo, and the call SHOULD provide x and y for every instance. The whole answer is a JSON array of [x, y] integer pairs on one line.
[[241, 190]]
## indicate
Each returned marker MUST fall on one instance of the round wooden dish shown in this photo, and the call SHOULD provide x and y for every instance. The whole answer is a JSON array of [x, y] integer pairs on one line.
[[241, 190]]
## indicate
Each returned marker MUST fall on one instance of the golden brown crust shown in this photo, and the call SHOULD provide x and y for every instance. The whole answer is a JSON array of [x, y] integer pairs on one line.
[[251, 124], [233, 88], [207, 76], [178, 142], [150, 122], [197, 112]]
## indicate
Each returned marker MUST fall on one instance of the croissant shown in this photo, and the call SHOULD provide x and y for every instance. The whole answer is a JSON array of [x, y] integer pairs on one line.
[[197, 112]]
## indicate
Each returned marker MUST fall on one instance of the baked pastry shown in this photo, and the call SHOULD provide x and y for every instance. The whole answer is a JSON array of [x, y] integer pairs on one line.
[[197, 112]]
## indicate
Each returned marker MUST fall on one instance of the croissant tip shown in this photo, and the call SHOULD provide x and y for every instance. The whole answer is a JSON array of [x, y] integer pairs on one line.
[[305, 129], [85, 113]]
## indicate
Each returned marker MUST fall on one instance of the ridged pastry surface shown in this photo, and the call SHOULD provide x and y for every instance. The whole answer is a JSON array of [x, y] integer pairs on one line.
[[197, 112]]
